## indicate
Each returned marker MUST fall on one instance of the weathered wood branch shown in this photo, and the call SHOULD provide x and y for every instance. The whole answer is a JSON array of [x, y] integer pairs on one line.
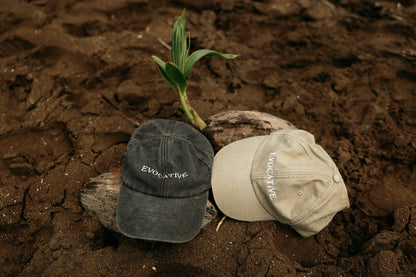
[[101, 194], [230, 126]]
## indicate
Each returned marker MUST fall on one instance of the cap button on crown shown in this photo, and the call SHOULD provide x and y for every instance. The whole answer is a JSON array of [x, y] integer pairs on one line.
[[337, 178]]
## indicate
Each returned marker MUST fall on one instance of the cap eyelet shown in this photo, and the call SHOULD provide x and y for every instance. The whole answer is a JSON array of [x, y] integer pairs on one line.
[[337, 178], [300, 193]]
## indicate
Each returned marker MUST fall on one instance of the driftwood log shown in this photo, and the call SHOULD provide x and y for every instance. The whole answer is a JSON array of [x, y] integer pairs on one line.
[[227, 127], [101, 193]]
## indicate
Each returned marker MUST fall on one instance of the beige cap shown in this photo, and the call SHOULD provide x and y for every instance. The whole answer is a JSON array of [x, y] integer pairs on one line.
[[284, 176]]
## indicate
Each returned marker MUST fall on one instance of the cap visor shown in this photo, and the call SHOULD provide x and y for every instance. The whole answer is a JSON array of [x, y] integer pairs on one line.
[[147, 217], [231, 181]]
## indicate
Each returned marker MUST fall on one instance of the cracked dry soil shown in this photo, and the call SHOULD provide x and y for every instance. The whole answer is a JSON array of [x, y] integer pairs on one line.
[[77, 78]]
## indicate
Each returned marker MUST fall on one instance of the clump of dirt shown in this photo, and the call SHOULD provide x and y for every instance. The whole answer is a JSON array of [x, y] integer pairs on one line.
[[77, 78]]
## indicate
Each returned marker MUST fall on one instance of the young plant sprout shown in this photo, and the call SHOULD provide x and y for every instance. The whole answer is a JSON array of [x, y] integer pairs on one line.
[[176, 71]]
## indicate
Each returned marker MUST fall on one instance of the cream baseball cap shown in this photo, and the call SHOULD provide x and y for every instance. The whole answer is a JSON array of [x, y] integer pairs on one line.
[[284, 176]]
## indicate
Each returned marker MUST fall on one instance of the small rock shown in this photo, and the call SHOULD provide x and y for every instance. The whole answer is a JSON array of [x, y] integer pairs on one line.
[[385, 263], [381, 241], [89, 235], [21, 168], [401, 218]]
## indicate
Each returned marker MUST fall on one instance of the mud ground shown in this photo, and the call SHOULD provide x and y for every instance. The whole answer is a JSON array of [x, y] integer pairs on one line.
[[76, 78]]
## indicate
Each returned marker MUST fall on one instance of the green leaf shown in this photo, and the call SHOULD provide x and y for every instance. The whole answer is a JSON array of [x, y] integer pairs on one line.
[[179, 47], [161, 65], [197, 55], [176, 76]]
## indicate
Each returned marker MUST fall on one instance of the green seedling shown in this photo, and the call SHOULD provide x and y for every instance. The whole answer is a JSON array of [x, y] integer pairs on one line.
[[176, 71]]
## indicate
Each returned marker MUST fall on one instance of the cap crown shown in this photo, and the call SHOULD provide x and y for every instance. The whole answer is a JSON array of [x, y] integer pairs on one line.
[[167, 158], [292, 176]]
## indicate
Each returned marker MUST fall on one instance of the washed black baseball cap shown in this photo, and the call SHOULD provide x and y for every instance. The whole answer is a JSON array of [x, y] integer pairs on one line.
[[165, 182]]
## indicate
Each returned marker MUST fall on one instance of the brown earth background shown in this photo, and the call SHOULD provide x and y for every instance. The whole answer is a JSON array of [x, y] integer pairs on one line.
[[77, 78]]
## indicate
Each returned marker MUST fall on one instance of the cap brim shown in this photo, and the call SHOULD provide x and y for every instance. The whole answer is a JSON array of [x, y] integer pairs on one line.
[[147, 217], [231, 181]]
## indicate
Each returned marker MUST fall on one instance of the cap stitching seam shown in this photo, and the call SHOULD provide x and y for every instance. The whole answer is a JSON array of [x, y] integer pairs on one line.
[[315, 204], [164, 149], [307, 152], [307, 212], [194, 152], [200, 158], [286, 175]]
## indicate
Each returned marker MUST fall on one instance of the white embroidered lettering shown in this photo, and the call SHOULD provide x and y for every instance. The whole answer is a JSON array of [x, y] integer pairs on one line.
[[270, 180], [174, 175]]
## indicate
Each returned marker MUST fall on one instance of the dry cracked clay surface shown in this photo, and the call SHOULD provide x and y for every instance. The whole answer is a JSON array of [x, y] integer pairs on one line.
[[77, 78]]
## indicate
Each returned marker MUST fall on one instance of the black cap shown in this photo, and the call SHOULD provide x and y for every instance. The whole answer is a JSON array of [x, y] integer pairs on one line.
[[165, 182]]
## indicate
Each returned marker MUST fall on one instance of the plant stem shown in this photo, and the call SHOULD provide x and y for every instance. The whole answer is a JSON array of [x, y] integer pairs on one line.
[[200, 124], [190, 112]]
